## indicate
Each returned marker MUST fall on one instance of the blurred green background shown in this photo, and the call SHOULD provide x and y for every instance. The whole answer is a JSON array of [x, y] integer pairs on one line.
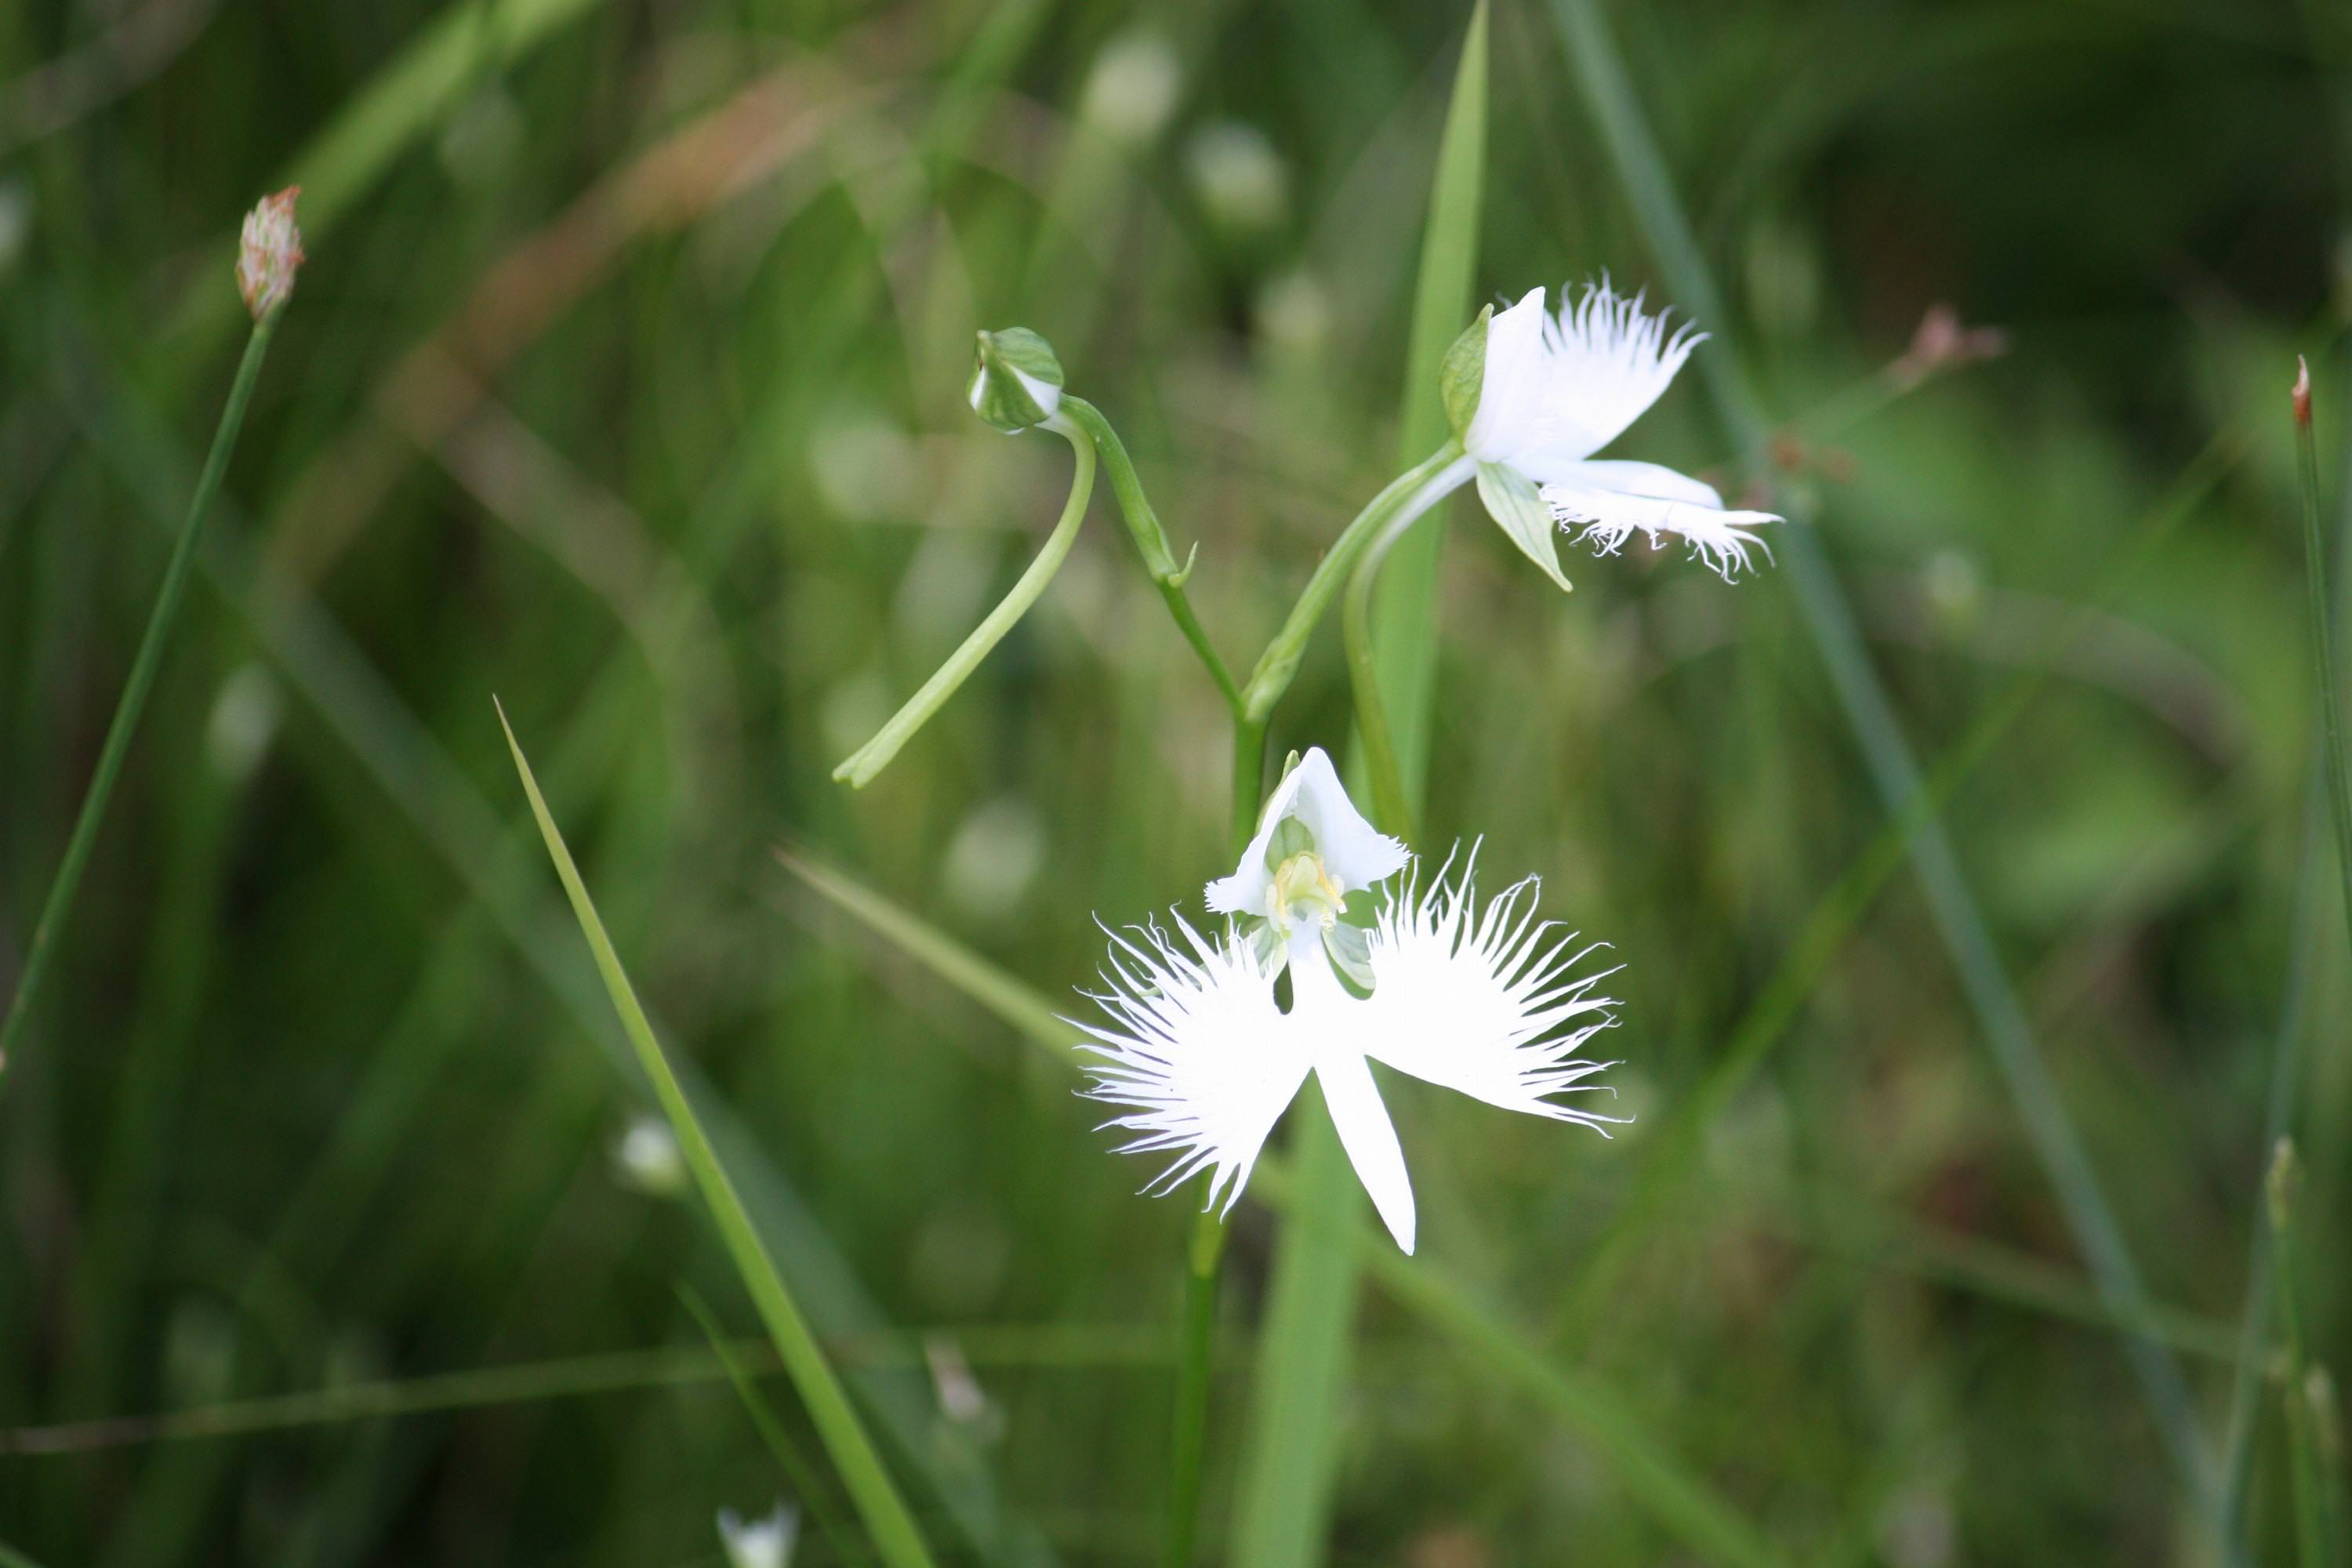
[[625, 381]]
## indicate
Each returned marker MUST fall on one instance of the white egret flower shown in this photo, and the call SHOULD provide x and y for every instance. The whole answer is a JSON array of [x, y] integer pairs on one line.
[[1203, 1058], [759, 1543], [1533, 395]]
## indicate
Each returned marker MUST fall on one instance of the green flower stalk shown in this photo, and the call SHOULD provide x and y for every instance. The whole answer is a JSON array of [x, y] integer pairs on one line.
[[270, 252], [859, 768]]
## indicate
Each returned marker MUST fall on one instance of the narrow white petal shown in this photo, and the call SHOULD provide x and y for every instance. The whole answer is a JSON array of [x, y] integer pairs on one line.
[[1353, 850], [1196, 1053], [1333, 1022], [1488, 1004], [1603, 504], [1368, 1136]]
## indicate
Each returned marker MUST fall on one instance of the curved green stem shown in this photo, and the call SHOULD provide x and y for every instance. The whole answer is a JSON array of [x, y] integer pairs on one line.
[[858, 769], [1391, 805], [1150, 540], [143, 667], [1409, 495]]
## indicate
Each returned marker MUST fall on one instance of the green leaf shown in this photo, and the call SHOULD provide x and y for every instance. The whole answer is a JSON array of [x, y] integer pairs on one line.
[[888, 1519], [1512, 501], [1463, 377]]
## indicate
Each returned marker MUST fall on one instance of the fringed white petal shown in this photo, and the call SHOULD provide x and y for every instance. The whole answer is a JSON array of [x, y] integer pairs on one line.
[[1196, 1052], [1489, 1003], [1566, 385], [1355, 852], [1601, 504]]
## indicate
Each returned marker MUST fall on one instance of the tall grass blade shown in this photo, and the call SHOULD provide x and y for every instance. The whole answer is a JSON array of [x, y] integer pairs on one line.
[[2314, 1530], [2323, 638], [887, 1516], [1894, 770], [1663, 1484], [1289, 1452], [144, 665], [2304, 925]]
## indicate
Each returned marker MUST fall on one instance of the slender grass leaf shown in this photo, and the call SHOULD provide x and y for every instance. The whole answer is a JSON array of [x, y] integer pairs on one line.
[[887, 1516]]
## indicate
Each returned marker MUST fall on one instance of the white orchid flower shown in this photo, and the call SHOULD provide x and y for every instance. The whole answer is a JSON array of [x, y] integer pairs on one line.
[[1533, 395], [759, 1543], [1203, 1058]]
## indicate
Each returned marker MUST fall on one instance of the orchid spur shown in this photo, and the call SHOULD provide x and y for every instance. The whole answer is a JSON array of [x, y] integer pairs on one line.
[[1534, 395], [1203, 1058]]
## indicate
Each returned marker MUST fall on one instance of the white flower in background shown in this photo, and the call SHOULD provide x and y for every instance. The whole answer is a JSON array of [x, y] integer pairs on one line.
[[759, 1543], [1203, 1058], [646, 1158], [269, 247], [1533, 395], [1240, 179], [1133, 86]]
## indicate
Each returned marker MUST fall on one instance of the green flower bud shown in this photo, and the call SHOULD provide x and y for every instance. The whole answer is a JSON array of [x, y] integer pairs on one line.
[[1016, 381], [1463, 374]]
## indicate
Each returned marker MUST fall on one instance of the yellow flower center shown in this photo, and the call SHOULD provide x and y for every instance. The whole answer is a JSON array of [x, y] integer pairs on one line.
[[1304, 890]]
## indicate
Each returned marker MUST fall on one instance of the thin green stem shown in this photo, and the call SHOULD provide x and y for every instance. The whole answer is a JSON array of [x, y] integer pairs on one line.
[[888, 1519], [143, 667], [2323, 638], [1204, 1272], [1412, 492], [858, 769], [1391, 804], [1249, 773], [1151, 540], [1205, 1258]]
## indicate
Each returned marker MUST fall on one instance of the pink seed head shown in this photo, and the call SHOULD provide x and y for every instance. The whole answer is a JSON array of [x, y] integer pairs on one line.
[[269, 251]]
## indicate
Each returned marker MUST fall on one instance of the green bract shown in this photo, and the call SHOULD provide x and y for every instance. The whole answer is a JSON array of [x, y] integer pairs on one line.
[[1016, 380], [1462, 374]]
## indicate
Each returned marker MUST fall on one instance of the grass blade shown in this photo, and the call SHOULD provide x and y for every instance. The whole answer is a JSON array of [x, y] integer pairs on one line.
[[2314, 1529], [1290, 1443], [1659, 1480], [1869, 714], [2323, 636], [885, 1514]]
